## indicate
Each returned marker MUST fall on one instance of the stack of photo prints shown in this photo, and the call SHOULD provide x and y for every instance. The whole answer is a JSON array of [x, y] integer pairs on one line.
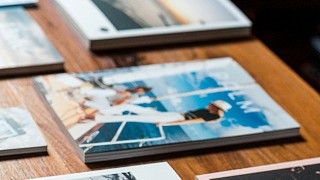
[[19, 133], [146, 110], [24, 47]]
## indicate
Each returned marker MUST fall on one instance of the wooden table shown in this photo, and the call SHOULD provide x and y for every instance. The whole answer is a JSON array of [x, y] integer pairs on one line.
[[288, 89]]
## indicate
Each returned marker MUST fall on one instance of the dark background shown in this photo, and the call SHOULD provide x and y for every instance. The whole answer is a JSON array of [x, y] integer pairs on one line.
[[290, 28]]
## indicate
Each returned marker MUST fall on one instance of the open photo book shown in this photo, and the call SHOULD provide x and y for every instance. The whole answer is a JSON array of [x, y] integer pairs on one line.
[[153, 109]]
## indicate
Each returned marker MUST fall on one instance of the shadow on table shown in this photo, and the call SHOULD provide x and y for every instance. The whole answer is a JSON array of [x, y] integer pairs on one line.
[[29, 74], [125, 57]]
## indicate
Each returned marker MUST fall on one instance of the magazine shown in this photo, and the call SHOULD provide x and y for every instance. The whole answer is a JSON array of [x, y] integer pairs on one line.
[[24, 48], [297, 170], [136, 111], [19, 133], [156, 171], [128, 23]]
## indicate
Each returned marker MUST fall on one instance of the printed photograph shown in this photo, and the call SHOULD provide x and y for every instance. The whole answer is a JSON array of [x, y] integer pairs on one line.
[[22, 42], [137, 14], [104, 117], [119, 176], [17, 130], [293, 173]]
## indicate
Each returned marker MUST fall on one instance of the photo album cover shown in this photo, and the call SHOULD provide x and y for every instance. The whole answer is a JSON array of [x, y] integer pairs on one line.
[[128, 23], [156, 171], [19, 133], [24, 48], [295, 170], [18, 2], [128, 112]]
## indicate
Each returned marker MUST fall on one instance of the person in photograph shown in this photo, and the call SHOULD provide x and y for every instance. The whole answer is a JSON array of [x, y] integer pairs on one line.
[[120, 94], [214, 112], [134, 95], [95, 97], [137, 113]]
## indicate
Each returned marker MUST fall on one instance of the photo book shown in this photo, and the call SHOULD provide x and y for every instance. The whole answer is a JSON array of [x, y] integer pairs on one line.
[[109, 24], [153, 109], [19, 133], [296, 170], [24, 48], [156, 171], [18, 2]]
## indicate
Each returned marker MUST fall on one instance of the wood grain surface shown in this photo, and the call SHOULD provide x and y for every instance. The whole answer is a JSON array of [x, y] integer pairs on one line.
[[288, 89]]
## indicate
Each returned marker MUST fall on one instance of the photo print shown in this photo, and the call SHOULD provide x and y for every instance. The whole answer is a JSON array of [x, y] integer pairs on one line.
[[137, 14]]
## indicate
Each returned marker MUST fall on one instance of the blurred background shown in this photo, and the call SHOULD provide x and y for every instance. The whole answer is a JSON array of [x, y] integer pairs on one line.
[[290, 28]]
